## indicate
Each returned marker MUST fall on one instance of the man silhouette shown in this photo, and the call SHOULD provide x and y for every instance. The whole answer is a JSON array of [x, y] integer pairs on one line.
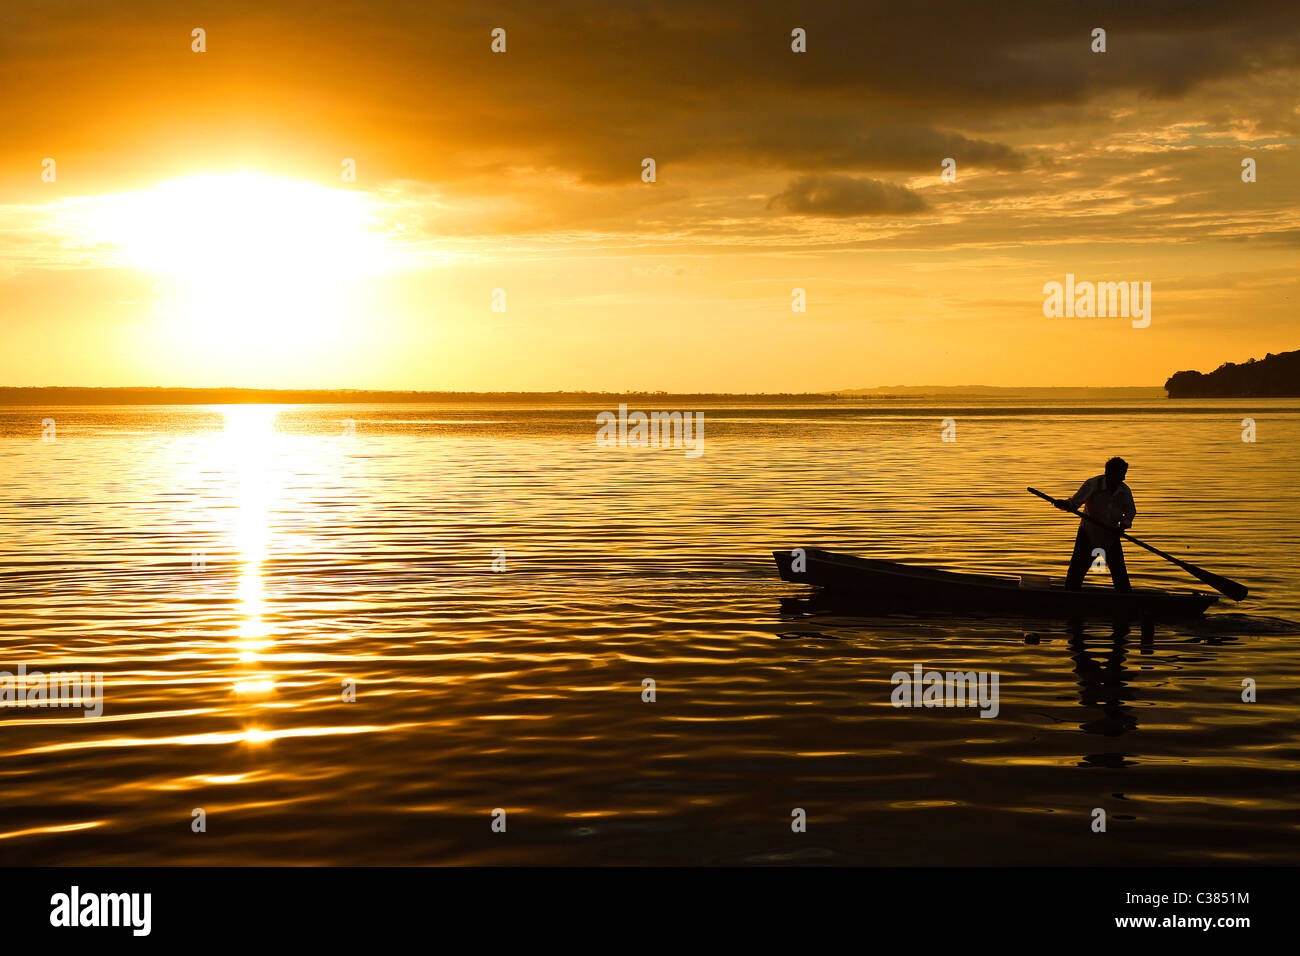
[[1107, 500]]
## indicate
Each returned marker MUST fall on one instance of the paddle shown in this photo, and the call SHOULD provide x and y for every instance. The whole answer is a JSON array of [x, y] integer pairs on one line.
[[1221, 584]]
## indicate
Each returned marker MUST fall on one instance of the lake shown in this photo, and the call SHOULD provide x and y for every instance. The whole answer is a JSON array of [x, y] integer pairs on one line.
[[349, 634]]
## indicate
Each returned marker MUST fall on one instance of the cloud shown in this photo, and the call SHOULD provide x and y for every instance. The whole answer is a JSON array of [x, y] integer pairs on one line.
[[830, 194], [411, 89], [917, 148]]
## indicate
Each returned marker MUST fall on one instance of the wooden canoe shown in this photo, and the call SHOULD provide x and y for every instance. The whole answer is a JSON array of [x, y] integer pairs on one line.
[[893, 585]]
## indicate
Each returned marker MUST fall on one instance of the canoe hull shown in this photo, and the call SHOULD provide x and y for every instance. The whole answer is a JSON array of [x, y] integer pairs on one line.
[[894, 585]]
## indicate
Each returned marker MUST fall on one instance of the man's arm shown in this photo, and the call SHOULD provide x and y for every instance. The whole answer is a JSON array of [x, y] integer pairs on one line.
[[1128, 510], [1083, 494]]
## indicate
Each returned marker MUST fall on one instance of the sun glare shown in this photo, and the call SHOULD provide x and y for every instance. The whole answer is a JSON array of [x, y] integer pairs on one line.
[[246, 261]]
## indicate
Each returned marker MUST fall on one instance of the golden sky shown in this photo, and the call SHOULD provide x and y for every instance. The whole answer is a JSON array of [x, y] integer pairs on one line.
[[199, 229]]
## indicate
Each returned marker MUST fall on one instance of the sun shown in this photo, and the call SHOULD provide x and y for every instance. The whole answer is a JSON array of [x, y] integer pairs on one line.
[[247, 262]]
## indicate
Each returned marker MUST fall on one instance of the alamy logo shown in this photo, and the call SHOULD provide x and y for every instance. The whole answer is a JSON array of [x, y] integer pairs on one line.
[[1085, 300], [655, 430], [951, 689], [67, 689], [103, 909]]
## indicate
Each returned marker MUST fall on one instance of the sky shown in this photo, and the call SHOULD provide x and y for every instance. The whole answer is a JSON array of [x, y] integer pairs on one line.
[[367, 195]]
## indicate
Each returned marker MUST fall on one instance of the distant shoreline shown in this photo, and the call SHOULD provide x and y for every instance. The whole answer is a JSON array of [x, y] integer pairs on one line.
[[121, 395]]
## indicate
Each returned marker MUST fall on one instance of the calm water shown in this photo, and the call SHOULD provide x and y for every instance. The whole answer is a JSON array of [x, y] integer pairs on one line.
[[329, 558]]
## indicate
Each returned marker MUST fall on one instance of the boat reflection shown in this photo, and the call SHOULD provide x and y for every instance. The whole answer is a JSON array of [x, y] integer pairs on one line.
[[1100, 654]]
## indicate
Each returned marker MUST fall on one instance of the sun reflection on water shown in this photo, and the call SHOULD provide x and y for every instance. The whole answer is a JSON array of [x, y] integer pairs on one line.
[[249, 444]]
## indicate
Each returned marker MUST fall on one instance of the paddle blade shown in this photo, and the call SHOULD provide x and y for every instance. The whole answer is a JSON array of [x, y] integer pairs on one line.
[[1225, 586]]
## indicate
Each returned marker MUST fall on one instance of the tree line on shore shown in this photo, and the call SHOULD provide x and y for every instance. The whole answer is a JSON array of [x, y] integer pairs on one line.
[[1273, 376]]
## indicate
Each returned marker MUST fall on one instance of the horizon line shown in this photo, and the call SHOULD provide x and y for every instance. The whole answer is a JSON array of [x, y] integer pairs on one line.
[[561, 391]]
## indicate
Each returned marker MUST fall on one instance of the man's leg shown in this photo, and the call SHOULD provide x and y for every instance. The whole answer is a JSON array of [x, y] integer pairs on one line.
[[1080, 561], [1118, 570]]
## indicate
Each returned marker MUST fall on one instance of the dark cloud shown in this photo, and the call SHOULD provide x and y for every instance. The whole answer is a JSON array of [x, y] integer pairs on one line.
[[588, 88], [919, 148], [828, 194], [832, 143]]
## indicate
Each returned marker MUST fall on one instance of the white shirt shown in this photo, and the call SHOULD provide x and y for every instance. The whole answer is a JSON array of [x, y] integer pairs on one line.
[[1111, 506]]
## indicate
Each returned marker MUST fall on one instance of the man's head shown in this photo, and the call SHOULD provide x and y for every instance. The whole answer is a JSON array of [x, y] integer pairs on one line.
[[1116, 469]]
